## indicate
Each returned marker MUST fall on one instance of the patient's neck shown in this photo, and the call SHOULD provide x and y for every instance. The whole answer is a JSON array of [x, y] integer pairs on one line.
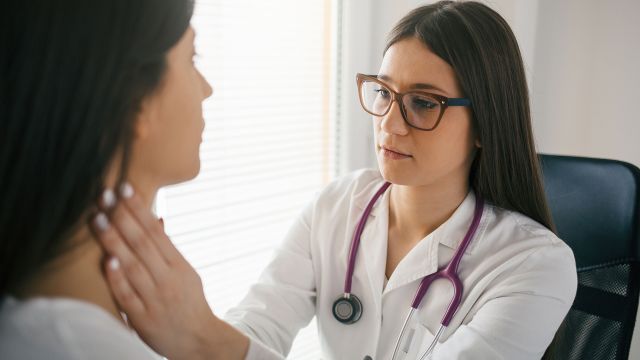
[[77, 273]]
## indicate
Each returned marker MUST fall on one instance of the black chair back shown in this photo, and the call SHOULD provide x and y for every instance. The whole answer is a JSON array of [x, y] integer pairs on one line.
[[595, 205]]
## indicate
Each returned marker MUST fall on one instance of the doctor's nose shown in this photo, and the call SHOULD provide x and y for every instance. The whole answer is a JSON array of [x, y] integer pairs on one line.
[[393, 122]]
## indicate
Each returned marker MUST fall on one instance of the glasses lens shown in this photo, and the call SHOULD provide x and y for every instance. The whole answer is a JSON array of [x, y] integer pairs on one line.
[[375, 97], [422, 110]]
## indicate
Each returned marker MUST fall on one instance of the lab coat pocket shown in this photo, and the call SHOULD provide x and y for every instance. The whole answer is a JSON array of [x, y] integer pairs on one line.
[[423, 342], [418, 340]]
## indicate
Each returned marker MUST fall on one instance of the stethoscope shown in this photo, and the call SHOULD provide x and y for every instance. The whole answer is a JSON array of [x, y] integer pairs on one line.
[[348, 308]]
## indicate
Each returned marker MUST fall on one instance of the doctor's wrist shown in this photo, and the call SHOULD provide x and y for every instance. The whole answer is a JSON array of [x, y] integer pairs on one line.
[[221, 341]]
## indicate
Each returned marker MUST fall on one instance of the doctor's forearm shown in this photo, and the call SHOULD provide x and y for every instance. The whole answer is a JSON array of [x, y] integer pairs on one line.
[[221, 341]]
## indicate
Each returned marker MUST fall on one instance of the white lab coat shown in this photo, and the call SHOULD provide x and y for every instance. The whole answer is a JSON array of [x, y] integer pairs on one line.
[[519, 282]]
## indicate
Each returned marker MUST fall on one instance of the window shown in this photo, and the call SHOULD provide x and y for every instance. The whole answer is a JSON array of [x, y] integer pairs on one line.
[[268, 145]]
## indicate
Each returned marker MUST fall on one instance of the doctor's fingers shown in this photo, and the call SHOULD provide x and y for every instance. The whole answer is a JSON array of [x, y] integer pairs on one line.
[[128, 279], [153, 227], [137, 242], [126, 297]]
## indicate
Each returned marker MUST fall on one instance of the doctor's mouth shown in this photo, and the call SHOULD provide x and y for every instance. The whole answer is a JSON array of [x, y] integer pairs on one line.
[[392, 154]]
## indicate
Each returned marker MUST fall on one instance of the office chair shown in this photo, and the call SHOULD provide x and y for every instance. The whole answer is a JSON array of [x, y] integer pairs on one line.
[[595, 205]]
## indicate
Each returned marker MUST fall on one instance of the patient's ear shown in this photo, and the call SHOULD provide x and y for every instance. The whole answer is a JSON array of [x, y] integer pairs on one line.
[[144, 118]]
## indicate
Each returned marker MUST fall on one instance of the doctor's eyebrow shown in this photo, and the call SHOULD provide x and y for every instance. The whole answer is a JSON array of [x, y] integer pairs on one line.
[[419, 86]]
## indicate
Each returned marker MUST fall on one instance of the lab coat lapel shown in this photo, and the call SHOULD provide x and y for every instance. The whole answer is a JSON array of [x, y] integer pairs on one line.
[[421, 261], [455, 228], [373, 244], [374, 251]]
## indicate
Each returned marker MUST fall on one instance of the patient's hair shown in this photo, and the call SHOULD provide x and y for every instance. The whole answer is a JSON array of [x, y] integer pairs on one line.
[[72, 77], [483, 52]]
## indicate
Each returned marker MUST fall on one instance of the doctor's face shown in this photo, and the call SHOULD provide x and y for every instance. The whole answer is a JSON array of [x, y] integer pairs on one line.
[[409, 156]]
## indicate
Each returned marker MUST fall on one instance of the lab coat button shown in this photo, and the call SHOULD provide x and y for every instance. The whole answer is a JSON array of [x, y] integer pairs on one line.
[[368, 358]]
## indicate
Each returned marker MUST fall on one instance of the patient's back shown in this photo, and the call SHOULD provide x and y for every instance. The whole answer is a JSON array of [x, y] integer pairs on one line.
[[50, 328]]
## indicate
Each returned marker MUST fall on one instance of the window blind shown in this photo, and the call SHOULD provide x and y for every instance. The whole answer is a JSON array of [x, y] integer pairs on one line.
[[268, 144]]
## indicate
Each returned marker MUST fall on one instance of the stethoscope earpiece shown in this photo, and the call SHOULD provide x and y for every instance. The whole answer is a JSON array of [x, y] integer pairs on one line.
[[347, 309]]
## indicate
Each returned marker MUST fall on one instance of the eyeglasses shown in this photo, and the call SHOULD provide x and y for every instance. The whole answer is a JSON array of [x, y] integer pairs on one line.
[[420, 109]]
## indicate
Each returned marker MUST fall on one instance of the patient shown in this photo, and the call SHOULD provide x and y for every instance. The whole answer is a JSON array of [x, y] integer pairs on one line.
[[94, 95]]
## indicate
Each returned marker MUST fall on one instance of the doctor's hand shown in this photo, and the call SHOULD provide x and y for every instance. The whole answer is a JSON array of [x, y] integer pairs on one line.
[[156, 288]]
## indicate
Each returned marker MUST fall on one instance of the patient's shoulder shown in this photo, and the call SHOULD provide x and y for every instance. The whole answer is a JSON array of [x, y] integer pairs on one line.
[[65, 329]]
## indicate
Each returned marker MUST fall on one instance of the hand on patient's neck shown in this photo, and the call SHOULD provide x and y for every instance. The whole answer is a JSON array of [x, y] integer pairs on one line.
[[77, 273]]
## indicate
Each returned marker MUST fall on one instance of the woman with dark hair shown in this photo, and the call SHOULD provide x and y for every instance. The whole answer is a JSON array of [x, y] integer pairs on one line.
[[91, 93], [458, 192]]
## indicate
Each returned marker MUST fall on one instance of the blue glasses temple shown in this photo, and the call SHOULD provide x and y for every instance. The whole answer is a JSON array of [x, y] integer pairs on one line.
[[459, 102]]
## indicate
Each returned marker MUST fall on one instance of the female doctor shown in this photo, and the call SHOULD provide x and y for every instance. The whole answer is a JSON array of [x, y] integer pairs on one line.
[[446, 251]]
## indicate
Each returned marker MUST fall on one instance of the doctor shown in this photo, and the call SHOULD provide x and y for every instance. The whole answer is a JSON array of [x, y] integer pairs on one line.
[[458, 187]]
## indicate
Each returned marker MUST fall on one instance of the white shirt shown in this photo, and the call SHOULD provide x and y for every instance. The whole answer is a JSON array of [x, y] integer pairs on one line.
[[65, 329], [519, 282]]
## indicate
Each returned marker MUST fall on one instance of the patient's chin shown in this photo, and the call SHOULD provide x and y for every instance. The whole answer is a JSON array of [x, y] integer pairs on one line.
[[188, 172]]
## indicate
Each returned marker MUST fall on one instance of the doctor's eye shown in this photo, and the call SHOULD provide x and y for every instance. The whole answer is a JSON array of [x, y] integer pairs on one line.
[[422, 103], [382, 92]]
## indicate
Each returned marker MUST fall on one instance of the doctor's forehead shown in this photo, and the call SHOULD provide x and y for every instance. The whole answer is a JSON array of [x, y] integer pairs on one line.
[[410, 64], [417, 86]]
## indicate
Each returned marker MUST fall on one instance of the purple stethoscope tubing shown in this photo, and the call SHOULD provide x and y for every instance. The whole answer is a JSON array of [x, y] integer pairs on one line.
[[449, 272], [355, 242]]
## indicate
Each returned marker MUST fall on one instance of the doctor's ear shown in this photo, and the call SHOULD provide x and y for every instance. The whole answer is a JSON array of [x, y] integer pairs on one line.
[[478, 144]]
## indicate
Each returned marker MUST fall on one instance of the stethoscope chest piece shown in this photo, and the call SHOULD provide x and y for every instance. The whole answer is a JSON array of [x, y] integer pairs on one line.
[[347, 309]]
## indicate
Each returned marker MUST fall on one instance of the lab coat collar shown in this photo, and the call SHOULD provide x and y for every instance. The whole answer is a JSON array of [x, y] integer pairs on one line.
[[450, 233], [362, 198]]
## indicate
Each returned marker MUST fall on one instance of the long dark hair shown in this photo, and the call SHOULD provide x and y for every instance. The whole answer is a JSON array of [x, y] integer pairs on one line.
[[482, 50], [73, 74]]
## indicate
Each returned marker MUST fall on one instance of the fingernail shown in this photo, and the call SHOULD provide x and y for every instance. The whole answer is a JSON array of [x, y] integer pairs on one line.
[[101, 221], [114, 263], [108, 198], [126, 190]]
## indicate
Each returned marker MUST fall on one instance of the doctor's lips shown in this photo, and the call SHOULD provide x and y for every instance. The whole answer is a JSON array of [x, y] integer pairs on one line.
[[392, 153]]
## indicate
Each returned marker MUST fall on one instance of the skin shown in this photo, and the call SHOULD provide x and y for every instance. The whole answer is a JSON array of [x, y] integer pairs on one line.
[[429, 185], [165, 150], [169, 127]]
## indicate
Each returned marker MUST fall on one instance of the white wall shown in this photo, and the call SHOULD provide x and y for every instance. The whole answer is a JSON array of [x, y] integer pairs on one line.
[[586, 80], [582, 59]]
